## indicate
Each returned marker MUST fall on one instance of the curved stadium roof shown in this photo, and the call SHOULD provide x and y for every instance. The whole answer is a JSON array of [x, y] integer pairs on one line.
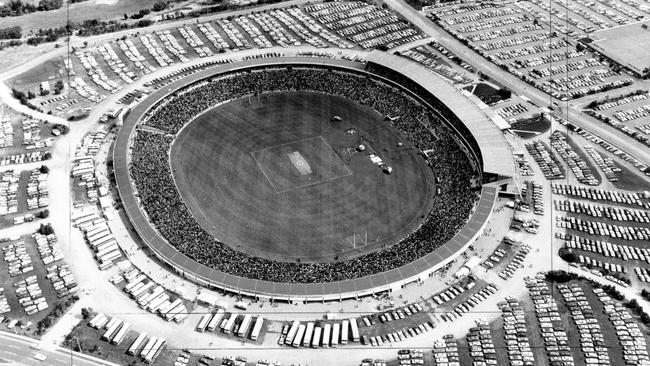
[[495, 155]]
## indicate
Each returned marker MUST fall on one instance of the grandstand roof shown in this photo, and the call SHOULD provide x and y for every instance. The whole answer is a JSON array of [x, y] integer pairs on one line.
[[495, 150], [189, 268]]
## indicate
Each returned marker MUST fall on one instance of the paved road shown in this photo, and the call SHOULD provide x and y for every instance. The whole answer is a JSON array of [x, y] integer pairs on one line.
[[17, 349], [606, 132]]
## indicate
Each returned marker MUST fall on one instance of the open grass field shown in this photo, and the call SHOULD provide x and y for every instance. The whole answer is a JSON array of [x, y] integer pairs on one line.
[[90, 341], [626, 44], [85, 10], [276, 178]]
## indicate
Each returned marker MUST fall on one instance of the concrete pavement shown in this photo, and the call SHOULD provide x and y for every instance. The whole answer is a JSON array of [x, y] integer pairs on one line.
[[18, 349]]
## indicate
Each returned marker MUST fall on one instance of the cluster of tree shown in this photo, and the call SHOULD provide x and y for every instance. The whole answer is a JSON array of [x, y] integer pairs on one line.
[[58, 87], [24, 98], [86, 28], [139, 15], [645, 294], [19, 7], [608, 99], [12, 43], [46, 229], [63, 129], [560, 276], [51, 318], [636, 307], [47, 35], [11, 32], [160, 6], [504, 93]]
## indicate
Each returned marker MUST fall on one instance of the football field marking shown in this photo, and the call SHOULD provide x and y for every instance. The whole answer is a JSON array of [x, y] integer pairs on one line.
[[261, 167]]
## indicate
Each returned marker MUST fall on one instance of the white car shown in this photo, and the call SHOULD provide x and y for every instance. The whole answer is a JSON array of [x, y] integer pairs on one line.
[[40, 357]]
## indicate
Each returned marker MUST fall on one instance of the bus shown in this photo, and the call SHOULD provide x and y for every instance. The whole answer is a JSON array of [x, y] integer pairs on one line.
[[355, 330], [292, 332], [143, 289], [158, 302], [148, 346], [159, 349], [170, 307], [110, 332], [344, 332], [306, 341], [214, 322], [170, 315], [216, 318], [326, 335], [315, 339], [245, 324], [227, 327], [257, 328], [133, 283], [148, 298], [299, 334], [336, 333], [155, 350], [96, 319], [205, 319], [133, 350], [119, 337]]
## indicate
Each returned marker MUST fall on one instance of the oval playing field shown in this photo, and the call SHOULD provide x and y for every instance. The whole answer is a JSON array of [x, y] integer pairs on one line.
[[275, 176]]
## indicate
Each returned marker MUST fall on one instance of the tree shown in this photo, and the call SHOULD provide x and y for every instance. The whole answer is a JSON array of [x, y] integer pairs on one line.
[[504, 93], [11, 33], [43, 214], [160, 6], [44, 169], [568, 255], [86, 313]]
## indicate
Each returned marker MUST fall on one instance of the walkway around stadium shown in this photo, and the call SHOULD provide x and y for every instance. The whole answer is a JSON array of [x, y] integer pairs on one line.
[[497, 160]]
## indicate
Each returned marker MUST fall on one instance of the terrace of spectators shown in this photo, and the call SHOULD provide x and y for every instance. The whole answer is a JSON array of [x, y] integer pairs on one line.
[[477, 131]]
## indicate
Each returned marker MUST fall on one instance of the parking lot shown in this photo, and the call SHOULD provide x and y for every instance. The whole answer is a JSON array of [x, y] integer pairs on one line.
[[101, 70], [516, 37]]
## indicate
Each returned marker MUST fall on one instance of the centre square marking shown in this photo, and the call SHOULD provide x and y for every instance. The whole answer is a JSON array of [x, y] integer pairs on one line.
[[299, 164]]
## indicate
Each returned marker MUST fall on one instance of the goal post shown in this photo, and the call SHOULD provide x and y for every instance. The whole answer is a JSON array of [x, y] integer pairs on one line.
[[358, 239]]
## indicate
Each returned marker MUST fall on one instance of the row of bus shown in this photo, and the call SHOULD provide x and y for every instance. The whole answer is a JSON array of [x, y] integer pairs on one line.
[[231, 324], [151, 296], [116, 332], [314, 335], [99, 237]]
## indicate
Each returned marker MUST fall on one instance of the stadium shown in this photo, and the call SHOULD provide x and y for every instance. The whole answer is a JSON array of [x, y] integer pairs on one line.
[[309, 179]]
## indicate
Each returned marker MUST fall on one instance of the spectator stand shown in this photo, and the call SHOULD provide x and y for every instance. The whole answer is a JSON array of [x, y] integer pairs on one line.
[[497, 162]]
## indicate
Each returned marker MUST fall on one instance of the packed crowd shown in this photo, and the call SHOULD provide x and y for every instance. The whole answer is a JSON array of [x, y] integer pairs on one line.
[[152, 174]]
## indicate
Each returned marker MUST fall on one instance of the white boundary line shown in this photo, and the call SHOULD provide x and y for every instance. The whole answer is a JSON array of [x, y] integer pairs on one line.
[[304, 185]]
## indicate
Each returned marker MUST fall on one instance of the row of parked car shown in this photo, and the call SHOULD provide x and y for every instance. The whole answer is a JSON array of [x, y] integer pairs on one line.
[[595, 194], [603, 229], [604, 212], [592, 341], [604, 248], [629, 334]]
